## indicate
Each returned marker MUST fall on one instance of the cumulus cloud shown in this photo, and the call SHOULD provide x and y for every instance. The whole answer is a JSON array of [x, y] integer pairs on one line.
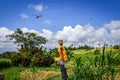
[[87, 34], [77, 35], [5, 44], [23, 15], [115, 36], [113, 25], [25, 29], [47, 33], [37, 7], [114, 31], [3, 32]]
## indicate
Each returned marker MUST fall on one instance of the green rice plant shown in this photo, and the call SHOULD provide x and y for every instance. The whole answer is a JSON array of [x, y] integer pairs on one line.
[[97, 51], [95, 67], [90, 70], [84, 71], [111, 58], [101, 64], [111, 69], [69, 54], [106, 68], [77, 68]]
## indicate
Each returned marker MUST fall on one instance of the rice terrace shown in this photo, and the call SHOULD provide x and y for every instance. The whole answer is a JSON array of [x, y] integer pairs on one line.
[[59, 40]]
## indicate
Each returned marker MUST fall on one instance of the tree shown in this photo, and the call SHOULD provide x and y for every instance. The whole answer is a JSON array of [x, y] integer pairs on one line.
[[26, 40], [31, 47], [116, 46]]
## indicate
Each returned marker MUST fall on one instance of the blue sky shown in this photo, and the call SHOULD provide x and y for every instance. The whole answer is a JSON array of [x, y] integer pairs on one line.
[[59, 12], [77, 22]]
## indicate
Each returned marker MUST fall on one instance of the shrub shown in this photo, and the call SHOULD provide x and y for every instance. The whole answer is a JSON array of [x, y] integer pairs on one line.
[[20, 59], [5, 63], [28, 59], [41, 60], [54, 52]]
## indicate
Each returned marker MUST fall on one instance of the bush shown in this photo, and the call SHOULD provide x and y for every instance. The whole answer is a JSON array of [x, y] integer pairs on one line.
[[5, 63], [21, 59], [41, 60], [54, 52], [28, 59]]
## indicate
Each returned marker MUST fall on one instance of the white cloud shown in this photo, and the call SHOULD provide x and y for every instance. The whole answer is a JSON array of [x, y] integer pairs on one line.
[[37, 7], [25, 29], [114, 31], [115, 36], [88, 35], [100, 34], [23, 15], [5, 44], [113, 25], [47, 33], [47, 22], [77, 35], [3, 32]]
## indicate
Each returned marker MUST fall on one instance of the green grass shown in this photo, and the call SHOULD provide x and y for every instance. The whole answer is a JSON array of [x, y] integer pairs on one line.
[[12, 73]]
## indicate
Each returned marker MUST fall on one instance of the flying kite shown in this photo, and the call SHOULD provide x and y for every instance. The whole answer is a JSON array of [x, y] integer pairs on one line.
[[38, 16]]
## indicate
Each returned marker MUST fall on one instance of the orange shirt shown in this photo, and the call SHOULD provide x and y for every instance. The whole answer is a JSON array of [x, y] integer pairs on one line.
[[62, 53]]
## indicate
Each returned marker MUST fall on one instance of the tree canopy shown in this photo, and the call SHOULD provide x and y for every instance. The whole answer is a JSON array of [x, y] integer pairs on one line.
[[26, 40]]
